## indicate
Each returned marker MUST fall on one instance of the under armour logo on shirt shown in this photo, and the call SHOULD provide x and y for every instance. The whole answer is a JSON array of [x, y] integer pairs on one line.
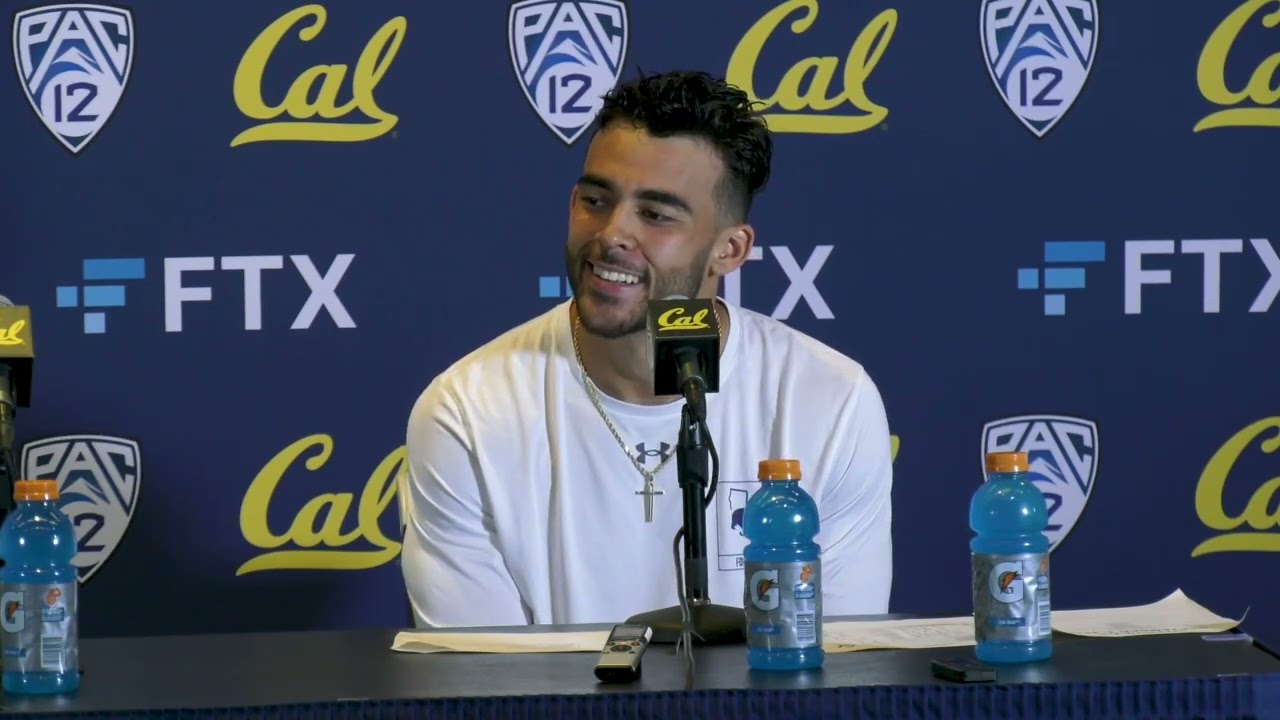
[[652, 456]]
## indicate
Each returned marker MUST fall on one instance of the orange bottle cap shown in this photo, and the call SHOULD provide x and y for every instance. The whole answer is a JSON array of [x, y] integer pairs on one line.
[[779, 469], [1007, 462], [35, 490]]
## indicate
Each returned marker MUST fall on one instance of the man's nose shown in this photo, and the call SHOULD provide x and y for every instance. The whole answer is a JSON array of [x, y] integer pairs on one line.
[[619, 231]]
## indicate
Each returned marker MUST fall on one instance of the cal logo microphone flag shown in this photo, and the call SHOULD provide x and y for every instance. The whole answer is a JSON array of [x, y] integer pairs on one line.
[[679, 324], [17, 350], [17, 354]]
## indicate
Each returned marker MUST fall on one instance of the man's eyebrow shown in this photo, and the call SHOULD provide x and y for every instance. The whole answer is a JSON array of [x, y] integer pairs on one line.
[[595, 181], [662, 197]]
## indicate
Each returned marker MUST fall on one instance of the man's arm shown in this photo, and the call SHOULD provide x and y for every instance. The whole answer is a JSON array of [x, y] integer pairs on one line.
[[856, 510], [453, 571]]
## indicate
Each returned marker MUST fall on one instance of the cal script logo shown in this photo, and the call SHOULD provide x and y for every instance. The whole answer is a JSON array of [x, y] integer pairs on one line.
[[98, 478], [327, 102], [567, 54], [1039, 54], [73, 62], [1253, 102], [1063, 453], [331, 530], [675, 320], [809, 94], [1239, 468], [12, 336]]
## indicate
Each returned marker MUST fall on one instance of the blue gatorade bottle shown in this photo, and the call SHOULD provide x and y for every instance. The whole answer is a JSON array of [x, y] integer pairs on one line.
[[38, 594], [1010, 564], [782, 571]]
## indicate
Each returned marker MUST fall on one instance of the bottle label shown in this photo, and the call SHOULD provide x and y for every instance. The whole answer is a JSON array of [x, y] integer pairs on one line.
[[38, 630], [784, 604], [1011, 597]]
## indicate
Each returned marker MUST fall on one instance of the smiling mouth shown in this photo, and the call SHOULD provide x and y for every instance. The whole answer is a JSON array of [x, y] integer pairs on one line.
[[617, 276]]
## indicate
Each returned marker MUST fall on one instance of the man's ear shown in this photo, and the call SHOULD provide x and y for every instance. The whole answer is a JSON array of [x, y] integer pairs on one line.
[[732, 249]]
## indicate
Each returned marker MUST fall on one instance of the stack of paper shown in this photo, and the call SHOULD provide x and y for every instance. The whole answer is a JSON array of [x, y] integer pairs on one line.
[[1175, 614]]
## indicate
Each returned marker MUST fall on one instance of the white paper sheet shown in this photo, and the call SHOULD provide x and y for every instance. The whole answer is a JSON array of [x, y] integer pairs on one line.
[[882, 634], [1173, 615], [429, 641]]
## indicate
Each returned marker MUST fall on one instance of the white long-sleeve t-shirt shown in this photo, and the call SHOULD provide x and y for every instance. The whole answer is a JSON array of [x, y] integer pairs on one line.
[[522, 506]]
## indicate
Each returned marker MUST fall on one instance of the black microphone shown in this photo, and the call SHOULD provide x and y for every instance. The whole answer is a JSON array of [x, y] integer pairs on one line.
[[17, 354], [685, 350]]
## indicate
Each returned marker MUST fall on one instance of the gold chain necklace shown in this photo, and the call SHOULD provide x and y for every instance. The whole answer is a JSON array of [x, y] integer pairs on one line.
[[593, 392]]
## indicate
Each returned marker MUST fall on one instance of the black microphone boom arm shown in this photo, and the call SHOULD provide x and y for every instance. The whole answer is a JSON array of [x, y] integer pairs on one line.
[[692, 383]]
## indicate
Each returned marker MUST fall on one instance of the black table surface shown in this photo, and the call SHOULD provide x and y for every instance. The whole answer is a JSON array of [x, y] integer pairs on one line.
[[271, 669]]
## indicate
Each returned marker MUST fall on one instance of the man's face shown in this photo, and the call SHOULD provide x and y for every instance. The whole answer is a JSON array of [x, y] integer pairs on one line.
[[642, 225]]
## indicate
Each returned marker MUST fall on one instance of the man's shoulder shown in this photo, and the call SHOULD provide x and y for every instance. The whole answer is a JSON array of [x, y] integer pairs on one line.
[[834, 412], [529, 341], [496, 368], [772, 344]]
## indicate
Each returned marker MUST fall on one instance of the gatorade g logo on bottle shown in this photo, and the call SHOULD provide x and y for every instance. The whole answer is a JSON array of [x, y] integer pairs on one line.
[[40, 629], [14, 619], [784, 604], [1015, 605], [1005, 582], [764, 590]]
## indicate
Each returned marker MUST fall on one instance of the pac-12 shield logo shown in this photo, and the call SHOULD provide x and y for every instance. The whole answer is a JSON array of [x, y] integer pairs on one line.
[[1039, 54], [74, 62], [567, 54], [98, 482], [1063, 454]]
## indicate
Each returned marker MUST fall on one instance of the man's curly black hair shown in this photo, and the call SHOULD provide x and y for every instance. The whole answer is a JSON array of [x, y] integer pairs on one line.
[[695, 104]]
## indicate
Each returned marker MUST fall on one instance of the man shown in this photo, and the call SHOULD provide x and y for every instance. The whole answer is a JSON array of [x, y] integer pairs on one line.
[[526, 455]]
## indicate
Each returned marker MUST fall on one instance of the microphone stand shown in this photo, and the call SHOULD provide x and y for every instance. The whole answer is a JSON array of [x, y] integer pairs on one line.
[[712, 624], [8, 469]]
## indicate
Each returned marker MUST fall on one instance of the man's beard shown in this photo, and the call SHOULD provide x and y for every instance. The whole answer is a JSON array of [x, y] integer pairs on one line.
[[636, 320]]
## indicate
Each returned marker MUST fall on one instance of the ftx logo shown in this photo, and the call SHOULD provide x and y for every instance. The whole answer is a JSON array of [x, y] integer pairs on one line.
[[801, 282], [106, 283], [1146, 264]]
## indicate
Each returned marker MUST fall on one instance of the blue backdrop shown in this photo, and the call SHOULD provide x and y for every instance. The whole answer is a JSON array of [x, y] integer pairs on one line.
[[250, 236]]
